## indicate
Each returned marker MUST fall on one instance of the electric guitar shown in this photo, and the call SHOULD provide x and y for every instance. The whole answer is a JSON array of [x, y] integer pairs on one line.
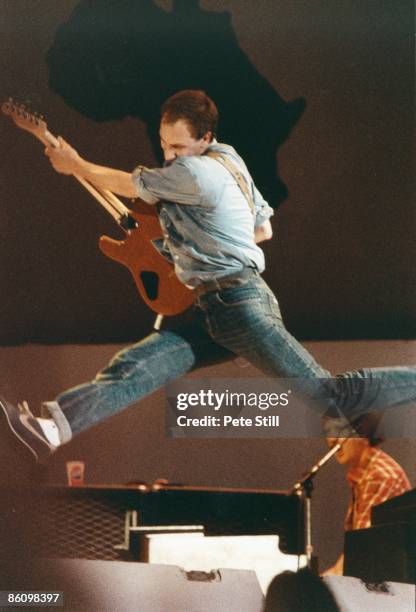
[[154, 275]]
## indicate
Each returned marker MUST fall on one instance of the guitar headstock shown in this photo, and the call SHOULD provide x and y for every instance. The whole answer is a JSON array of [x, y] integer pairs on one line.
[[26, 120]]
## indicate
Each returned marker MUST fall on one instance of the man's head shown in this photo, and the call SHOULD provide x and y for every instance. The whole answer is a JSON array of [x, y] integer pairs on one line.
[[365, 433], [188, 124], [351, 450]]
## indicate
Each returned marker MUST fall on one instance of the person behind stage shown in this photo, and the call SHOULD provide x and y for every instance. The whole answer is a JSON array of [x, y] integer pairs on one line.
[[373, 476], [212, 227], [301, 591]]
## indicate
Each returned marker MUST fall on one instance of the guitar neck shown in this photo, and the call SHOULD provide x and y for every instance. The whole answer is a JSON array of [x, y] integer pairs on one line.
[[37, 127], [47, 138]]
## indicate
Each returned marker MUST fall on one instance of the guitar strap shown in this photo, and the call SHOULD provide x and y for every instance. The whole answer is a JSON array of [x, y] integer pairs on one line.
[[237, 175]]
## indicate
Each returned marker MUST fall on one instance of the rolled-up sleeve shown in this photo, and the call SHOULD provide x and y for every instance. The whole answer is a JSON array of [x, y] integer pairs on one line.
[[262, 208], [173, 183]]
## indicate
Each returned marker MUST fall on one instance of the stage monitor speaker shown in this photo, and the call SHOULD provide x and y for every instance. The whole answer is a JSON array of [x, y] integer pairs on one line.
[[381, 553], [73, 522], [128, 587], [354, 595]]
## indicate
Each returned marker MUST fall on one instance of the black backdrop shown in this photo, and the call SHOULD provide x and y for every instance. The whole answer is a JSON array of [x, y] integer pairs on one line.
[[319, 98]]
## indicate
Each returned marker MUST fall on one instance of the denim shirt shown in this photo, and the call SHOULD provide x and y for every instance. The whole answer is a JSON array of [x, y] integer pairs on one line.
[[206, 220]]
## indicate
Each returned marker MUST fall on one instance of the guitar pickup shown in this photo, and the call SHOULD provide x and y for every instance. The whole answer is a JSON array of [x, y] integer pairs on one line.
[[127, 222]]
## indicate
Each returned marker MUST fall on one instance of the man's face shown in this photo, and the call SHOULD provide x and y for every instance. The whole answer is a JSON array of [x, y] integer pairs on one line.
[[176, 140], [350, 451]]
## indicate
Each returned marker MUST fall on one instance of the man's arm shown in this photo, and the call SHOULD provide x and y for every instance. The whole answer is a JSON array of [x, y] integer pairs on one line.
[[66, 160], [337, 569], [263, 232]]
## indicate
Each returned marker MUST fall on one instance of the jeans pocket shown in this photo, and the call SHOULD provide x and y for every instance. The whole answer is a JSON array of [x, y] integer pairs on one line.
[[273, 306], [235, 296]]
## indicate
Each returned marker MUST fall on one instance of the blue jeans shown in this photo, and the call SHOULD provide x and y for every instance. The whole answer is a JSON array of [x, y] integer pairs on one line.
[[242, 320]]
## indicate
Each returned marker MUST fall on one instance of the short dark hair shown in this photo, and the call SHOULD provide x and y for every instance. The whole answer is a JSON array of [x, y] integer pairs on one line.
[[194, 107], [369, 426], [302, 591]]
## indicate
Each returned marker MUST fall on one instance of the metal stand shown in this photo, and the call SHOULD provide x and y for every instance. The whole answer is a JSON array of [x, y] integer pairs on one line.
[[304, 488]]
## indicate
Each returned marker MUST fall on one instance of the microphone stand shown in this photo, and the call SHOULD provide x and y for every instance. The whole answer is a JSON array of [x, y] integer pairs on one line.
[[303, 488]]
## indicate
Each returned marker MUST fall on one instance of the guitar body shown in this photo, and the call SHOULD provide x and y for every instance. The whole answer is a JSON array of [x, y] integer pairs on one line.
[[154, 276]]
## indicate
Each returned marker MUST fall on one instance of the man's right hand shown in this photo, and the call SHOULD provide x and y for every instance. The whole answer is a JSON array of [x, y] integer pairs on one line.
[[337, 569]]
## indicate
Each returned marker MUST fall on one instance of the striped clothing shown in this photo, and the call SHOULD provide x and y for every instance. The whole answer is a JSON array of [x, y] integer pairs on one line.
[[377, 479]]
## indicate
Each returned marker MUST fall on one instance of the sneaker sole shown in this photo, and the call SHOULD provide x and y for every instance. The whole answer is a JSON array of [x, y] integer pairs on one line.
[[15, 433]]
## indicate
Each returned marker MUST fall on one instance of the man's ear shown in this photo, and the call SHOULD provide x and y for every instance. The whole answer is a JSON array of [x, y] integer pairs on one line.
[[208, 136]]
